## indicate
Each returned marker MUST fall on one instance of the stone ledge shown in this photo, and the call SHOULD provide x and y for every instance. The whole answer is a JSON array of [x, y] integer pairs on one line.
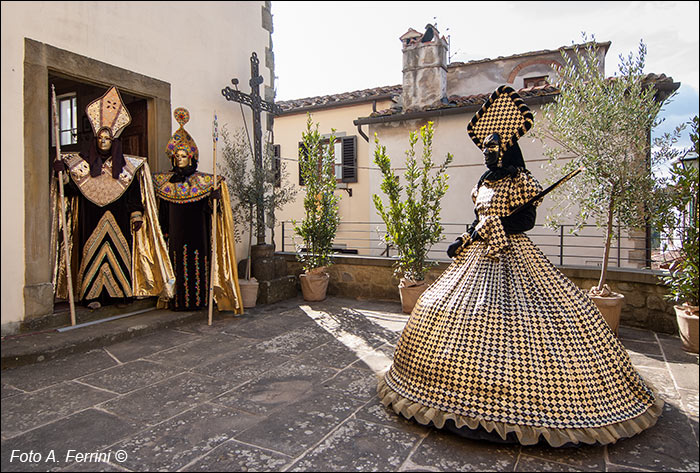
[[46, 345]]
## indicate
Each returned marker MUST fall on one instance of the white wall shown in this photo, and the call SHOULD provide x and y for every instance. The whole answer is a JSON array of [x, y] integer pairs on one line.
[[197, 47]]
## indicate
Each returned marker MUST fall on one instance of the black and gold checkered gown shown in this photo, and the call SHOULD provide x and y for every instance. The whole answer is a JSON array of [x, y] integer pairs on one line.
[[504, 342]]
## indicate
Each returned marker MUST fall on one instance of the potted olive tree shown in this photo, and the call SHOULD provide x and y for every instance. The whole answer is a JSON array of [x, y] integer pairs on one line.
[[605, 124], [251, 188], [318, 227], [681, 223], [412, 224]]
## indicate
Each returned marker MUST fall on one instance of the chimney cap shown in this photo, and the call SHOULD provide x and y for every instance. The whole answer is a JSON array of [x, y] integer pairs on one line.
[[411, 33]]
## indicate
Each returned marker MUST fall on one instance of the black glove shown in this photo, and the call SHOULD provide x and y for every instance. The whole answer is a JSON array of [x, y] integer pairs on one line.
[[136, 225], [215, 194], [59, 165], [473, 234], [454, 247]]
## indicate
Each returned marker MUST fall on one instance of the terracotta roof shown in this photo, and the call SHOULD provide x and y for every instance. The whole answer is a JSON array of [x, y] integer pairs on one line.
[[345, 98], [529, 94]]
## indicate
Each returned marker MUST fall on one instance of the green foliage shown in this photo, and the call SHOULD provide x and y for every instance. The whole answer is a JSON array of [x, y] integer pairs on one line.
[[252, 187], [412, 225], [318, 228], [604, 125], [681, 219]]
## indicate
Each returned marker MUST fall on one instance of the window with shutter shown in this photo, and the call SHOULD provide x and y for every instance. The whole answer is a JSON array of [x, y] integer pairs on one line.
[[302, 152], [345, 159], [277, 163], [349, 159]]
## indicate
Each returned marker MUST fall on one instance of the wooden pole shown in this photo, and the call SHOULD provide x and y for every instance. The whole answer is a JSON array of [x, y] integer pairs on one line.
[[57, 133], [215, 138]]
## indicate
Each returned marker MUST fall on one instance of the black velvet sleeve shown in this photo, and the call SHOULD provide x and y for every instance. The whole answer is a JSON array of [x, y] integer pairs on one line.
[[133, 196], [521, 221], [69, 188], [164, 216]]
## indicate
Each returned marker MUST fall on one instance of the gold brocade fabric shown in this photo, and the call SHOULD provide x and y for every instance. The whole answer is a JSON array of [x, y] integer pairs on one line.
[[153, 273], [60, 282], [103, 189], [511, 344], [227, 292]]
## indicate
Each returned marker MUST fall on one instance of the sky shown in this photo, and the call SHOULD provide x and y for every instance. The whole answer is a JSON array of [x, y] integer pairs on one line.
[[332, 47]]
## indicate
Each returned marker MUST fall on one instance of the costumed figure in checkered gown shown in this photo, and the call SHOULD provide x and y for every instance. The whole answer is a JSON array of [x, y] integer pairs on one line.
[[502, 346], [114, 238], [185, 200]]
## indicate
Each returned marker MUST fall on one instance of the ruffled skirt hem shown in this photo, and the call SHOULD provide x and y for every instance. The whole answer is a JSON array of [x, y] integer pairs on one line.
[[526, 435]]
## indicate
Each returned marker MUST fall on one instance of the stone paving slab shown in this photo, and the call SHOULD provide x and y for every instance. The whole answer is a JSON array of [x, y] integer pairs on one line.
[[30, 410], [42, 375], [130, 376], [183, 439], [357, 445], [160, 401], [146, 345], [287, 387], [82, 432]]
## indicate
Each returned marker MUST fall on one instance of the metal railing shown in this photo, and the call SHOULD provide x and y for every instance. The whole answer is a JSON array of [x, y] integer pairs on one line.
[[559, 244]]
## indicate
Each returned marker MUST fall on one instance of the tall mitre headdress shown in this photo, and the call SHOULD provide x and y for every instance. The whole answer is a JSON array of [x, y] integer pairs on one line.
[[181, 139], [504, 113], [108, 112]]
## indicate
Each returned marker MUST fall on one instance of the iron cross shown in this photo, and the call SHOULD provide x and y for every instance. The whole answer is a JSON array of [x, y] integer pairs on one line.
[[257, 105]]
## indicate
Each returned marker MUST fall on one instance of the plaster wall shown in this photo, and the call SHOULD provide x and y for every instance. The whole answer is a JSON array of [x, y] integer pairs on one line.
[[194, 47], [477, 77], [288, 130]]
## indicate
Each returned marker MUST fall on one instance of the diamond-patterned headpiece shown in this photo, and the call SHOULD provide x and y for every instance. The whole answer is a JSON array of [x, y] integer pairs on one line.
[[108, 111], [181, 139], [504, 113]]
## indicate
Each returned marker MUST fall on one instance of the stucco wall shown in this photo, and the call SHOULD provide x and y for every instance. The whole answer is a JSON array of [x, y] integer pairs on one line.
[[478, 77], [288, 130], [196, 47]]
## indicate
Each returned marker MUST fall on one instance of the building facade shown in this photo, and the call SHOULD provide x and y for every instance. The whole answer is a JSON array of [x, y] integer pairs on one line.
[[449, 95], [160, 56]]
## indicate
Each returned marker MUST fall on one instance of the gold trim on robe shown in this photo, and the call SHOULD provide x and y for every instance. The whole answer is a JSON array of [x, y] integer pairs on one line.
[[152, 273], [103, 189], [99, 262], [226, 288], [195, 187]]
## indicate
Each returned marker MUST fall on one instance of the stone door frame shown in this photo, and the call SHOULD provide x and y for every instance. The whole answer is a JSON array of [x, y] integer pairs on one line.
[[40, 59]]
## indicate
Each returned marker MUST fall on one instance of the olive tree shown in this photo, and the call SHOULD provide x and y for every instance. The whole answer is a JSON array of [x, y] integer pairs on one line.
[[605, 123]]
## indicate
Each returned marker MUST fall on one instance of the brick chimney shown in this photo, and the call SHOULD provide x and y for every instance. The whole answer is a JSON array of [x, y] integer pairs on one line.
[[424, 69]]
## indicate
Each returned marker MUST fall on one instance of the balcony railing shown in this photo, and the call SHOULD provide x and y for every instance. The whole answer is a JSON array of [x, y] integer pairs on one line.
[[637, 250]]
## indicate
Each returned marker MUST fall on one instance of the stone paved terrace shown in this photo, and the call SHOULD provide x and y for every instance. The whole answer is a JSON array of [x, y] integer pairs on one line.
[[291, 387]]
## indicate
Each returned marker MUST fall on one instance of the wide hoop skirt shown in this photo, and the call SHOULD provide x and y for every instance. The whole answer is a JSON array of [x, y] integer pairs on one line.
[[512, 345]]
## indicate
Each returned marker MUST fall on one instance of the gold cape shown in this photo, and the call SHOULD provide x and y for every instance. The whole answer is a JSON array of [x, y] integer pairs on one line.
[[227, 292], [152, 272]]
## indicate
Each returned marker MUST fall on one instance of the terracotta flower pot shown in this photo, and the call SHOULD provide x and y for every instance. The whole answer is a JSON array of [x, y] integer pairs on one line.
[[249, 291], [314, 284], [688, 326], [410, 291], [611, 308]]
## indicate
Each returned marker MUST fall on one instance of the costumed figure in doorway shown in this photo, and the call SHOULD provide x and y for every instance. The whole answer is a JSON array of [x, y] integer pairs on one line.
[[502, 346], [117, 248], [185, 209]]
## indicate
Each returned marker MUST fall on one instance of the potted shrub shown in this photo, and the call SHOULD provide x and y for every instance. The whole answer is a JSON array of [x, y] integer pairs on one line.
[[412, 225], [681, 221], [318, 227], [252, 188], [605, 125]]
